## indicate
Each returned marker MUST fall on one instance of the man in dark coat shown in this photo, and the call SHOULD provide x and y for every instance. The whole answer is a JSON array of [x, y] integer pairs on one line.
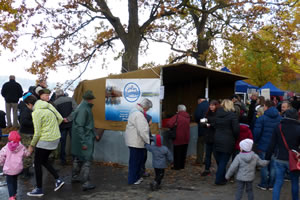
[[200, 113], [252, 106], [65, 106], [83, 139], [262, 134], [11, 91]]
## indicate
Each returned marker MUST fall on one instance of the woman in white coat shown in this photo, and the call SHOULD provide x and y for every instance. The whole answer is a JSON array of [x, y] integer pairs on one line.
[[136, 136]]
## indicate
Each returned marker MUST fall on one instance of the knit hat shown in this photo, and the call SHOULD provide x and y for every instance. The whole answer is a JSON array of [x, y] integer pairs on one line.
[[88, 95], [14, 136], [158, 140], [291, 113], [44, 91], [38, 89], [246, 144], [59, 92]]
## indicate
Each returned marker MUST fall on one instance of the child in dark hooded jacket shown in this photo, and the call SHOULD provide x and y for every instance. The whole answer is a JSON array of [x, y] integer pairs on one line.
[[160, 158]]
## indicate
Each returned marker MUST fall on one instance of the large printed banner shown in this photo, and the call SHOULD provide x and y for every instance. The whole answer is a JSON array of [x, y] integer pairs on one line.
[[122, 95]]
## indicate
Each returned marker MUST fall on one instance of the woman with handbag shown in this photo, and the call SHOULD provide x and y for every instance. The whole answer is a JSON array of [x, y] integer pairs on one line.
[[180, 144], [286, 136]]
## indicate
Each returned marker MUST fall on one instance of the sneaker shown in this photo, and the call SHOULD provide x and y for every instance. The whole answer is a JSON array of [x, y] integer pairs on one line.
[[205, 173], [58, 184], [270, 188], [36, 192], [139, 181], [261, 187]]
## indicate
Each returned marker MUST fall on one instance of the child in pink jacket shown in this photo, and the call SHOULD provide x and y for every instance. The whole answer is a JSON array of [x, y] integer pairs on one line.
[[11, 158]]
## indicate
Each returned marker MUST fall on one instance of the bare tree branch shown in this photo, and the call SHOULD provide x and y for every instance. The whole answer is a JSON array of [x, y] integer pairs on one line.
[[88, 59], [114, 21]]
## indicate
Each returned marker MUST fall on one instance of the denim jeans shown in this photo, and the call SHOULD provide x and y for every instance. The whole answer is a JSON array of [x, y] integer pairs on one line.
[[136, 160], [240, 190], [222, 160], [200, 149], [267, 173], [63, 141], [280, 169], [208, 152]]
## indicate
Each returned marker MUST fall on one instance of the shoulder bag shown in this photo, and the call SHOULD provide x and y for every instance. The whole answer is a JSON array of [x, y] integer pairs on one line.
[[294, 156], [171, 133]]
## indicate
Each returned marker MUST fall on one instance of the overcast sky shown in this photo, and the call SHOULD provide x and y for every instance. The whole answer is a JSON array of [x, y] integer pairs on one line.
[[158, 54]]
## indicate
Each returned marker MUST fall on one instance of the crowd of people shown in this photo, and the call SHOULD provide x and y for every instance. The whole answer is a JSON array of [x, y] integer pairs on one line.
[[227, 129], [42, 125], [258, 134]]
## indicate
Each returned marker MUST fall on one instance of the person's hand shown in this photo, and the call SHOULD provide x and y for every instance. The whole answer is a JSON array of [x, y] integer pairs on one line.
[[97, 138], [84, 147], [208, 125], [30, 149], [66, 120]]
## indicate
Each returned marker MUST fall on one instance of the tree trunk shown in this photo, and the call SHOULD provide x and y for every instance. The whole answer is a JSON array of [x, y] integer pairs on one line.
[[203, 45], [133, 39], [130, 56]]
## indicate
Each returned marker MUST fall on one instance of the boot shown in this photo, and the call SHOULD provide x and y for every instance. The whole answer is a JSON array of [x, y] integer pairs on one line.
[[88, 186], [76, 171], [85, 174], [154, 186]]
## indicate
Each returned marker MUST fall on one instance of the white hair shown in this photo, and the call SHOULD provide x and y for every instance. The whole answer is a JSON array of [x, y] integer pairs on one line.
[[146, 103], [181, 107]]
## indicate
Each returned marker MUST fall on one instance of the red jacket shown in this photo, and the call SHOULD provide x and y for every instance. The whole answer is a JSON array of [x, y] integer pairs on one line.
[[183, 127], [245, 133]]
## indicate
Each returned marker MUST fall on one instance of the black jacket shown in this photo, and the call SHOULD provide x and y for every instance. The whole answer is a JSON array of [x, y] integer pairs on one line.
[[200, 113], [227, 131], [2, 119], [291, 132], [251, 112], [210, 131], [65, 106], [26, 124], [11, 91]]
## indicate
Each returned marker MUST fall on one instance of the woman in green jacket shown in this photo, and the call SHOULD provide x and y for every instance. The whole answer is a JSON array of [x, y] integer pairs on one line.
[[46, 138]]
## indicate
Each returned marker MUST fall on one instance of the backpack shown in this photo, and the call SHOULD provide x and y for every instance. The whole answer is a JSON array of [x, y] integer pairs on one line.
[[2, 119]]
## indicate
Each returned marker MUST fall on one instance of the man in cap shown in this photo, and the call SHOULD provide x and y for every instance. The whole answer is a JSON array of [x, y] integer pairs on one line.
[[11, 91], [83, 137], [65, 106]]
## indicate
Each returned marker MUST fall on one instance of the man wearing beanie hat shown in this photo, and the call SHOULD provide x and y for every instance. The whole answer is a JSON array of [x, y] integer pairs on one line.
[[244, 165], [65, 106], [83, 137], [160, 158], [44, 94]]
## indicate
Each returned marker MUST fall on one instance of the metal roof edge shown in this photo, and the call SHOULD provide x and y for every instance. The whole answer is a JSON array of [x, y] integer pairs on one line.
[[205, 68]]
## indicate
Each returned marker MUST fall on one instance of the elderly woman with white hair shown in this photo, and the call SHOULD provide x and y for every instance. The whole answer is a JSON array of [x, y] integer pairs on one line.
[[136, 136], [182, 119]]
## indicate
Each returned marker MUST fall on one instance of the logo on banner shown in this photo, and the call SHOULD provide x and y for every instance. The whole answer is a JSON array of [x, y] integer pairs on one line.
[[131, 92]]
